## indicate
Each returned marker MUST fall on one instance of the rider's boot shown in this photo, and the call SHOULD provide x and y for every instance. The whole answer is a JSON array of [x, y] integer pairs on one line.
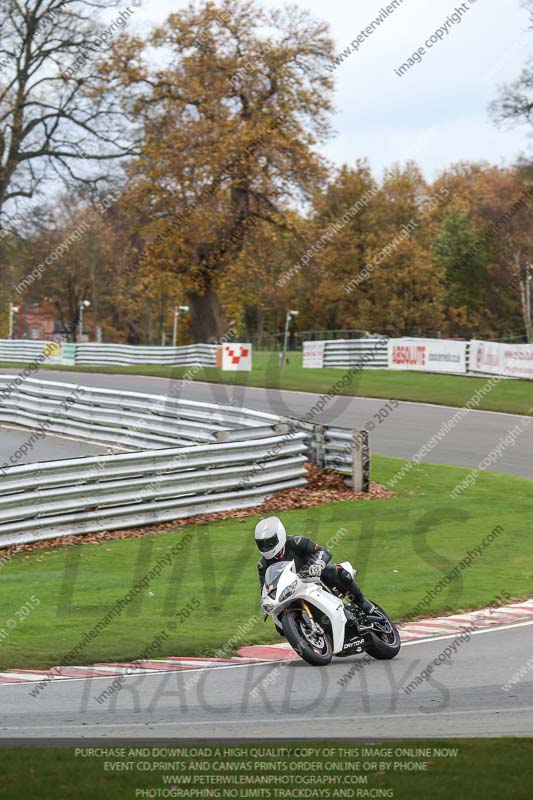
[[358, 602]]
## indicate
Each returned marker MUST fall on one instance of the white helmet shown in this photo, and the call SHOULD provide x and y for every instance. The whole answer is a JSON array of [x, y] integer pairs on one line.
[[270, 536]]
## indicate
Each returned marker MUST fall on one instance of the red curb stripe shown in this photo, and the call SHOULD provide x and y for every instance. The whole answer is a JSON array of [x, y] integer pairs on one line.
[[153, 665], [36, 672], [140, 669], [87, 673]]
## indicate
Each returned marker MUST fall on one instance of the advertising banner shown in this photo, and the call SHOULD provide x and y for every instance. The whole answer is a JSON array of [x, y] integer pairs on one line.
[[313, 355], [518, 360], [53, 352], [428, 355], [486, 357], [68, 356]]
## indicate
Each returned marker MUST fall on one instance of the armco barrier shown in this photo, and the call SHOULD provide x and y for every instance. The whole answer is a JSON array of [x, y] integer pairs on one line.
[[21, 350], [348, 452], [203, 355], [109, 492], [234, 356], [372, 352], [238, 459], [119, 418], [27, 350]]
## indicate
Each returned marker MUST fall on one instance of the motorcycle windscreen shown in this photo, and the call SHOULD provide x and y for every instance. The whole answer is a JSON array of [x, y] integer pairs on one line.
[[273, 574]]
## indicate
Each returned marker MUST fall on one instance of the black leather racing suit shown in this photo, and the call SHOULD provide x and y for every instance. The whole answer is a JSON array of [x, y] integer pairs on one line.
[[305, 552]]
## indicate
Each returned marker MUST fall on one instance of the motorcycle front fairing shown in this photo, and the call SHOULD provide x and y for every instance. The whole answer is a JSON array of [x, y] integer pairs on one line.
[[283, 586], [326, 604]]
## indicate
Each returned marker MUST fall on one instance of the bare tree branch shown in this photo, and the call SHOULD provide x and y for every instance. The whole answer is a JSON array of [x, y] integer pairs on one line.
[[55, 110]]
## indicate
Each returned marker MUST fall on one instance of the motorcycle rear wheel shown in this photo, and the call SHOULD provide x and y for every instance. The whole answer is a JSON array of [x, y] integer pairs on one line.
[[294, 628], [385, 640]]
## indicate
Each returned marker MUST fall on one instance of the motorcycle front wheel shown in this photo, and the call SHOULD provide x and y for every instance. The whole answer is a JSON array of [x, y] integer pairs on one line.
[[314, 648]]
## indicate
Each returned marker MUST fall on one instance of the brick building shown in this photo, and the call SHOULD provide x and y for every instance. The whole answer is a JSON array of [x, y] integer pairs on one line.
[[37, 321]]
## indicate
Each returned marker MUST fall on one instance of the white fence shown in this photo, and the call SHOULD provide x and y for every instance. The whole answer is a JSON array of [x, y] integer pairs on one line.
[[28, 350], [423, 355]]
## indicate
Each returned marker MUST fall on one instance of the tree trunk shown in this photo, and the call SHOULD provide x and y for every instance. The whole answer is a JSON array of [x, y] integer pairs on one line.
[[525, 306], [208, 321]]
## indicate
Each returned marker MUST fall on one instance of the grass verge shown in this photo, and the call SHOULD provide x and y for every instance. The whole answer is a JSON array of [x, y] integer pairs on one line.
[[475, 769], [403, 547], [511, 396]]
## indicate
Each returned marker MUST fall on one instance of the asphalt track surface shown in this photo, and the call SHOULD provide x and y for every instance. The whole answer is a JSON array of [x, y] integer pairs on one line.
[[402, 434], [48, 448], [464, 698]]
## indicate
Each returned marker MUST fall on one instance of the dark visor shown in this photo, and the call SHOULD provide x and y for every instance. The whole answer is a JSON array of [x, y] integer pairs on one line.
[[267, 544]]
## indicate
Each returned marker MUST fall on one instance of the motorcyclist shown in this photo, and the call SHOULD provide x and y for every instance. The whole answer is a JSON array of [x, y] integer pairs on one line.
[[274, 545]]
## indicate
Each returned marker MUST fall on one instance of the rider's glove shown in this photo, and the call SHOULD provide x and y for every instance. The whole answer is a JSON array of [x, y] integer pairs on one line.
[[316, 568]]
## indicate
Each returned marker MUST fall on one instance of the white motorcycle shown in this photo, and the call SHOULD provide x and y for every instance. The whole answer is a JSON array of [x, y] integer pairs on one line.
[[317, 623]]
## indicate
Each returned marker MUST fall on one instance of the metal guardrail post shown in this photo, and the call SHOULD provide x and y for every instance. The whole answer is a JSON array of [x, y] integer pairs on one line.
[[318, 452], [360, 461]]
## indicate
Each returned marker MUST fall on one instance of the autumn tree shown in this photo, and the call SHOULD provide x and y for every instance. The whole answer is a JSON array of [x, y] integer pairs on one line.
[[376, 272], [510, 230], [463, 252], [495, 204], [86, 269], [254, 292], [230, 127]]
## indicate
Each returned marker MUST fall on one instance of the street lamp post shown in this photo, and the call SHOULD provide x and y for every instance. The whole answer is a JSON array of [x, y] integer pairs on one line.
[[83, 305], [177, 310], [288, 318], [13, 309]]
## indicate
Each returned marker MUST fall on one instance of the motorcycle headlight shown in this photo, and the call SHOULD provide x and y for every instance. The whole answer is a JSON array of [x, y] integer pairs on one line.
[[288, 592], [268, 606]]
